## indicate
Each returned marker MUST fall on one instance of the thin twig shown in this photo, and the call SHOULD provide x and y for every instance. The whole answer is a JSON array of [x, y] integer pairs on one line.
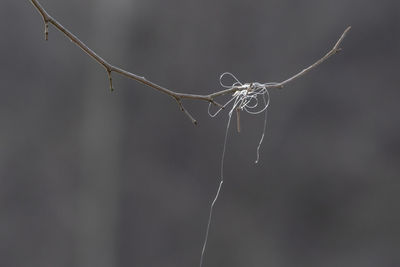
[[238, 119], [194, 121], [177, 96], [333, 51], [111, 81]]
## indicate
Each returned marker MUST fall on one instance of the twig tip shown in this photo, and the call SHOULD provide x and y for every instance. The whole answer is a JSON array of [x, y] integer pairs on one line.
[[110, 80], [46, 30], [182, 108]]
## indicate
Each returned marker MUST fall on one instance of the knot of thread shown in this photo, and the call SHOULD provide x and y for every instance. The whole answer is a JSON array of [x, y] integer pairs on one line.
[[246, 97]]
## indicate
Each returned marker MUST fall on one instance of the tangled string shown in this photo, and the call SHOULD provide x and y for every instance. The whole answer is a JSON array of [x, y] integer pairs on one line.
[[246, 98]]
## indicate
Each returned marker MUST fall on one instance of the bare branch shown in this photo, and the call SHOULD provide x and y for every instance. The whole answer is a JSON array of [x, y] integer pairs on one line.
[[177, 96], [333, 51]]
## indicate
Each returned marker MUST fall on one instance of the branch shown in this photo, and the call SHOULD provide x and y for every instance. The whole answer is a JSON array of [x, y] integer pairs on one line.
[[333, 51], [47, 19]]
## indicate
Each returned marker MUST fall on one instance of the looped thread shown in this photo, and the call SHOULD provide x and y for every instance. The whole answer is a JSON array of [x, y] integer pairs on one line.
[[246, 98], [237, 83]]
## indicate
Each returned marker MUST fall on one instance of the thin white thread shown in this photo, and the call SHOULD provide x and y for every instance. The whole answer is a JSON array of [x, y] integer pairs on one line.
[[218, 191], [263, 133], [247, 100], [236, 83]]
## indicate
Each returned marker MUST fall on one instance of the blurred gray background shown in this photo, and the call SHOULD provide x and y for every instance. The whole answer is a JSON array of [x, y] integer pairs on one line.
[[93, 178]]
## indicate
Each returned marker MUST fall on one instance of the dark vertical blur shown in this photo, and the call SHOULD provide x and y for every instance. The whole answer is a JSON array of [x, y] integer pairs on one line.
[[94, 178]]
